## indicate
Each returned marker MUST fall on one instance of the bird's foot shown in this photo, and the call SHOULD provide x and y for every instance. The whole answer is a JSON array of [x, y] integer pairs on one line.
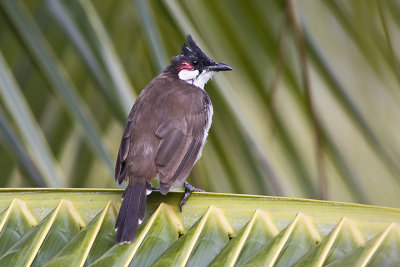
[[189, 189], [150, 188]]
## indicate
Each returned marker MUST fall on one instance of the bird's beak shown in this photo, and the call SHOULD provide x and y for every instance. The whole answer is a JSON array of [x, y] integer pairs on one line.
[[219, 67]]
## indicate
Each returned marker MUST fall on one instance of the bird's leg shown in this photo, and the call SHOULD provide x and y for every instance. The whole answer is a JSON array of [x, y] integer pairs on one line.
[[150, 188], [189, 189]]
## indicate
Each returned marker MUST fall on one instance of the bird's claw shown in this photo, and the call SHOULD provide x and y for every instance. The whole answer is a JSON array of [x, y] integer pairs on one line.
[[189, 189], [151, 187]]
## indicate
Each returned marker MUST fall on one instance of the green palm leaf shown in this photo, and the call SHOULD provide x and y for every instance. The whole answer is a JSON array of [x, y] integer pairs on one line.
[[32, 134], [54, 73], [59, 227]]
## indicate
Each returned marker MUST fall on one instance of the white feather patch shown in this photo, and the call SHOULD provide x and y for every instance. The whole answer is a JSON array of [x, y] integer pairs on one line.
[[148, 192], [208, 126], [140, 221], [203, 78], [195, 77], [188, 75], [206, 129]]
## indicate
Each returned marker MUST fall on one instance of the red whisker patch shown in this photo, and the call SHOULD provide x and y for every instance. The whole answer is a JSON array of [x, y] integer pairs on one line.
[[185, 65]]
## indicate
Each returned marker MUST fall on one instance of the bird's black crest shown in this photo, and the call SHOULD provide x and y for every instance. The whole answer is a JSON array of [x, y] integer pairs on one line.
[[191, 48], [189, 52]]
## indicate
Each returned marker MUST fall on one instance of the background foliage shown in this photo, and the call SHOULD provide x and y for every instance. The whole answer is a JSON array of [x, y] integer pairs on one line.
[[311, 109]]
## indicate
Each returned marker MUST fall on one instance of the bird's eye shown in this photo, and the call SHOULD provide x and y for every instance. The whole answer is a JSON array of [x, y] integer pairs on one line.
[[195, 62]]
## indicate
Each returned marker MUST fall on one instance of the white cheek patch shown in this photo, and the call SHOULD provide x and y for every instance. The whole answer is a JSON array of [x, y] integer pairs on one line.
[[188, 75]]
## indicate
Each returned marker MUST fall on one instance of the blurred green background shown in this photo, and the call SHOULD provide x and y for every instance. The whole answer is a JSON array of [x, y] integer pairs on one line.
[[312, 108]]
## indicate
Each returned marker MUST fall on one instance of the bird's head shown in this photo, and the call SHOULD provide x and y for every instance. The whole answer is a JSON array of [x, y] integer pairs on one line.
[[193, 66]]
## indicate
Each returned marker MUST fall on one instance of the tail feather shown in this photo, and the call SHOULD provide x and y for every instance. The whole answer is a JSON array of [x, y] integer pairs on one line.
[[131, 212]]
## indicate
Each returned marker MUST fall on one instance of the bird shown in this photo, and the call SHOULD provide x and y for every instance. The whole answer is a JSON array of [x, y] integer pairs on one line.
[[164, 134]]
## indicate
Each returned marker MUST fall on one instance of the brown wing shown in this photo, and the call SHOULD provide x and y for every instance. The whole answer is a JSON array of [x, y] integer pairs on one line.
[[120, 165], [180, 147], [139, 135]]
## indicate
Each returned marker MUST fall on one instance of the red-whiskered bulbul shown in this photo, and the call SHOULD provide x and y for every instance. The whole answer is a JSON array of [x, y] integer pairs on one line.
[[164, 134]]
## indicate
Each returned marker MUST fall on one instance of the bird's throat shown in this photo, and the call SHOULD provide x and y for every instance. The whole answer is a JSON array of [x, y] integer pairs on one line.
[[195, 77]]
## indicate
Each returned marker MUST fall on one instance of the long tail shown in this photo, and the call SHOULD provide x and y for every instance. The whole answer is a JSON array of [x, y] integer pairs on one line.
[[131, 212]]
